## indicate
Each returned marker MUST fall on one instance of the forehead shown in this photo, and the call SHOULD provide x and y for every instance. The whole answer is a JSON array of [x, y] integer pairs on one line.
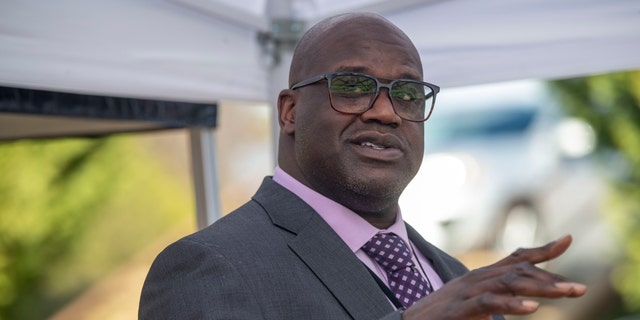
[[366, 45]]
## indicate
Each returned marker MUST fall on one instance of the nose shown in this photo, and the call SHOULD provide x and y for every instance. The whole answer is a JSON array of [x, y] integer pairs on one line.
[[382, 110]]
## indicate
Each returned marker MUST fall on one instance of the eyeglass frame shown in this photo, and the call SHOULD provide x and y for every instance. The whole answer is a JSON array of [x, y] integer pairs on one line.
[[330, 75]]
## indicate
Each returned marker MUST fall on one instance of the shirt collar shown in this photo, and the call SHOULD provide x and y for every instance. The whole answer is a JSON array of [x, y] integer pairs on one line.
[[353, 229]]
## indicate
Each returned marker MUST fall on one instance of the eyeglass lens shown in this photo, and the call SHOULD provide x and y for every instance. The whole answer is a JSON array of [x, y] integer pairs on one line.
[[355, 94]]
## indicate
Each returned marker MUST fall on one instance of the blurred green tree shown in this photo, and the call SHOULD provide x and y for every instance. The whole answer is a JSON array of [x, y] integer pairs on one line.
[[71, 209], [611, 104], [49, 192]]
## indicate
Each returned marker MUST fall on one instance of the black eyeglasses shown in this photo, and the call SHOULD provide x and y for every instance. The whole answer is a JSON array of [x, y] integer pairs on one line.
[[354, 93]]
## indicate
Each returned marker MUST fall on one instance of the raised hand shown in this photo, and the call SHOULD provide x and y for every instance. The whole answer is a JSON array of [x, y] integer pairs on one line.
[[501, 288]]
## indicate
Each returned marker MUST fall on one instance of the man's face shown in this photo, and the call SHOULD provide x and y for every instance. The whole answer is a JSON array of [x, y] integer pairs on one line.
[[362, 161]]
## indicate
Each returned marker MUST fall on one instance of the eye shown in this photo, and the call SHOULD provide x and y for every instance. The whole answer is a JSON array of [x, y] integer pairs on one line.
[[405, 96], [353, 84], [408, 91]]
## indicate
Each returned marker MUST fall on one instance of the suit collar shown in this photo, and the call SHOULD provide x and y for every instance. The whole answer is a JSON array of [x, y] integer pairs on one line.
[[340, 270], [322, 250], [285, 209]]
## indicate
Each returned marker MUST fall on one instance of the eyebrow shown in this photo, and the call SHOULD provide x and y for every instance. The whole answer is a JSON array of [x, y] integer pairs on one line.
[[365, 70]]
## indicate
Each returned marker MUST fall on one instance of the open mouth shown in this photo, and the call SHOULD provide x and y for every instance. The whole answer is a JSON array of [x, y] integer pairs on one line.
[[372, 145], [377, 146], [379, 150]]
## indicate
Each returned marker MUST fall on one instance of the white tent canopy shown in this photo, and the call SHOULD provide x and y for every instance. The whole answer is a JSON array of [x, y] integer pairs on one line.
[[206, 51]]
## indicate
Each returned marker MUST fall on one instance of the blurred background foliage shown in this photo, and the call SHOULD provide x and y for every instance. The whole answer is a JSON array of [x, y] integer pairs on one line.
[[611, 104], [71, 210]]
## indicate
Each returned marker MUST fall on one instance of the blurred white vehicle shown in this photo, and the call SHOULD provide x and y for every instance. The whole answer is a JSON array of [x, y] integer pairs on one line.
[[503, 168]]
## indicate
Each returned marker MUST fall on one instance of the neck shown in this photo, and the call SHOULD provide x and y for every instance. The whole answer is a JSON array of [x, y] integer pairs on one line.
[[379, 220]]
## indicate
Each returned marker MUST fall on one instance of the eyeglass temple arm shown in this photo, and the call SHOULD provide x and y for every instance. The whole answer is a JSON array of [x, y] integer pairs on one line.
[[429, 95], [434, 89], [308, 81]]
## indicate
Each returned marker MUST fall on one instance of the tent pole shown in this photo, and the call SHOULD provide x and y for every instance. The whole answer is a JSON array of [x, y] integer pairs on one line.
[[280, 41], [205, 175]]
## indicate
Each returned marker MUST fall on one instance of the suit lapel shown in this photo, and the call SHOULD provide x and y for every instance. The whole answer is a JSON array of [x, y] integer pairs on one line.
[[340, 271], [322, 250]]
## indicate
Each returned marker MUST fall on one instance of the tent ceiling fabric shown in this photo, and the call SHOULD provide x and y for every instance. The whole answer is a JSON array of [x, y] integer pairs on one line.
[[130, 48], [471, 42], [189, 50]]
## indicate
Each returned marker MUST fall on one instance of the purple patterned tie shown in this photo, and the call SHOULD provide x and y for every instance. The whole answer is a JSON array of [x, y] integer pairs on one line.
[[395, 258]]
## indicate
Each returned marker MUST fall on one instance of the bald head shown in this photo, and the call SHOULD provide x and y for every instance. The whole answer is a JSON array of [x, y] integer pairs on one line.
[[318, 44]]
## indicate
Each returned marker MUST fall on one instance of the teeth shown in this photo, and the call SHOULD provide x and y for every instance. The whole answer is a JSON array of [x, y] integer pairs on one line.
[[372, 145]]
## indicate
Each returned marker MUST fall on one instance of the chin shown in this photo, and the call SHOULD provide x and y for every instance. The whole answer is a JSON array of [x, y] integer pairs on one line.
[[377, 190]]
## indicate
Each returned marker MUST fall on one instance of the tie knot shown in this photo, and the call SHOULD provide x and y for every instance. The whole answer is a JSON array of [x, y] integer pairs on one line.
[[389, 251]]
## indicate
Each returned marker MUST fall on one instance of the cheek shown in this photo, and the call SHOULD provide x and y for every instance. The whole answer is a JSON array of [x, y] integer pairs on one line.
[[319, 122], [416, 142], [418, 147], [316, 132], [318, 136]]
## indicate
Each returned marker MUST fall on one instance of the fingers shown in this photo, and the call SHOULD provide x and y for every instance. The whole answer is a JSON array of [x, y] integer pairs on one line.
[[508, 273], [505, 287], [572, 289], [537, 255], [497, 304], [517, 275], [540, 285], [521, 279], [489, 303], [492, 303], [479, 307]]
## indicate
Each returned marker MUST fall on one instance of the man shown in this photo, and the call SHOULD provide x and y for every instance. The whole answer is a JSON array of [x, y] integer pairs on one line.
[[310, 243]]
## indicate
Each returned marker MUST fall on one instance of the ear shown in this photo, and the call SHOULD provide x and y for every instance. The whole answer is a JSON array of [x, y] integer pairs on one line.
[[287, 111]]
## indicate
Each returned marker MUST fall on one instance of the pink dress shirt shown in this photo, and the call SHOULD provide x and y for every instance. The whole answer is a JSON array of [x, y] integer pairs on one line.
[[353, 229]]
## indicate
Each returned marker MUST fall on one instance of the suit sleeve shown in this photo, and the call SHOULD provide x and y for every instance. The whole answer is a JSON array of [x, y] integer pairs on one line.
[[189, 280]]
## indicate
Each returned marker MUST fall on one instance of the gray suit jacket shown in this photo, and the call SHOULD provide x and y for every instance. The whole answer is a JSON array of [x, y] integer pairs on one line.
[[272, 258]]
